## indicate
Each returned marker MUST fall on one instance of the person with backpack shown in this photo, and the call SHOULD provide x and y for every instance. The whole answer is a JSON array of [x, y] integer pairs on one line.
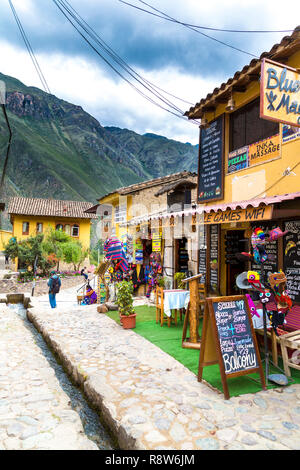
[[54, 284]]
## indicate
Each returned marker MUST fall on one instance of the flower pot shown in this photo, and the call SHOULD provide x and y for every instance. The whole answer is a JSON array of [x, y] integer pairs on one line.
[[128, 321]]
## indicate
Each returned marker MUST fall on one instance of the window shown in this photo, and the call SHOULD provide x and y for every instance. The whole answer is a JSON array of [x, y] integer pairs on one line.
[[75, 230], [120, 213], [59, 227], [68, 229], [39, 227], [246, 127], [25, 228]]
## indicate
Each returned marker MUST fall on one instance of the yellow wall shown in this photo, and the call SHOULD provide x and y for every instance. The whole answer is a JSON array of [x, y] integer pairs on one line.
[[51, 222], [4, 237], [260, 179]]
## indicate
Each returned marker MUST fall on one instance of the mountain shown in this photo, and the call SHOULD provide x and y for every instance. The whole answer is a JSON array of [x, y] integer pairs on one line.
[[60, 151]]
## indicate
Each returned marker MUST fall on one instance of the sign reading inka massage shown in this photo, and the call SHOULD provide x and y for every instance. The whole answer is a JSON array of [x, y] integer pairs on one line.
[[280, 93]]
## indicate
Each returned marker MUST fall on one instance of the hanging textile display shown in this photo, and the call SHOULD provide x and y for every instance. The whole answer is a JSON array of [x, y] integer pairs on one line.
[[113, 249], [138, 251], [155, 269]]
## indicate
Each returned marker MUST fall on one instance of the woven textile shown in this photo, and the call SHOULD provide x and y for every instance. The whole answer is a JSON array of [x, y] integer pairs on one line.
[[114, 250]]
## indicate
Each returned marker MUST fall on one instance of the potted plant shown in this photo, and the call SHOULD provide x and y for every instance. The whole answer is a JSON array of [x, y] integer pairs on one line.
[[178, 278], [125, 303]]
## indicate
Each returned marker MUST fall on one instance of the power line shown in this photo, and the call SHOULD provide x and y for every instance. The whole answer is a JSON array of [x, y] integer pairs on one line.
[[29, 49], [207, 27], [67, 13], [96, 35], [167, 17]]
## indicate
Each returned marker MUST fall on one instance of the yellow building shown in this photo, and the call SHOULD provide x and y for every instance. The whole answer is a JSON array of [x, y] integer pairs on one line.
[[249, 167], [30, 216], [5, 235]]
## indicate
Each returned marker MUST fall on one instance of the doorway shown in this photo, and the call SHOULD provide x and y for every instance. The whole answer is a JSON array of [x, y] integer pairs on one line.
[[235, 242]]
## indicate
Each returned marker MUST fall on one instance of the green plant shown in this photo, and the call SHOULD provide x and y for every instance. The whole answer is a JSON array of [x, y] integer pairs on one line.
[[74, 253], [125, 298], [161, 281], [178, 278]]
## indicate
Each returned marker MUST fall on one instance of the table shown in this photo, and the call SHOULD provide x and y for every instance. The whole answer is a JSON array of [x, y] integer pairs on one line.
[[175, 299]]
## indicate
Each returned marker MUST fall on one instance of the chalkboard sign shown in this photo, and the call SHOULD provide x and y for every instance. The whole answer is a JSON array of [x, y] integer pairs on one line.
[[202, 252], [210, 169], [271, 265], [235, 336], [214, 257], [228, 339], [291, 258]]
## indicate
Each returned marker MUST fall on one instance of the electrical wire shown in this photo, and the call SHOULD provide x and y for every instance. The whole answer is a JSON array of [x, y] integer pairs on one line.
[[207, 27], [173, 20], [174, 109], [29, 49], [277, 181], [115, 55]]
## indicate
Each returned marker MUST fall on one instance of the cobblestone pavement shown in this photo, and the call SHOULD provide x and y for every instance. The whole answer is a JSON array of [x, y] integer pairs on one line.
[[34, 410], [150, 400]]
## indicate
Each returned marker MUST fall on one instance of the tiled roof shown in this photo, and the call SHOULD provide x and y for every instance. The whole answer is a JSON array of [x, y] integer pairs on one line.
[[149, 183], [279, 52], [49, 207]]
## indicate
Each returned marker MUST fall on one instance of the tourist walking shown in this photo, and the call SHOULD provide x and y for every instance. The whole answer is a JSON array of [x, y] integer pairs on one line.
[[84, 274], [54, 284]]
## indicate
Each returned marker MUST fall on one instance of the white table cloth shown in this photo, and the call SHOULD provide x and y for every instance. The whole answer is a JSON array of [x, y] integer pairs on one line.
[[176, 298]]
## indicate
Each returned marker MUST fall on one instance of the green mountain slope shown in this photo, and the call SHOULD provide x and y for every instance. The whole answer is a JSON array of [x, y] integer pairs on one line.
[[59, 151]]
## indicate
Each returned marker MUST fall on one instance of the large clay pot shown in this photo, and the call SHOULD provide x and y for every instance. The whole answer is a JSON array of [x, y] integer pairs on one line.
[[128, 321]]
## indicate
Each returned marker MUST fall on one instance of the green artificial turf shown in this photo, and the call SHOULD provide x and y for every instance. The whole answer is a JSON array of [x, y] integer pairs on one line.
[[169, 340]]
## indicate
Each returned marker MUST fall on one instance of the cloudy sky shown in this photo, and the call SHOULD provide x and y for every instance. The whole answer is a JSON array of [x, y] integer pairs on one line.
[[173, 57]]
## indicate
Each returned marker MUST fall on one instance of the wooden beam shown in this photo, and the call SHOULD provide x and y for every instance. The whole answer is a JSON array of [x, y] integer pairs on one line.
[[239, 88]]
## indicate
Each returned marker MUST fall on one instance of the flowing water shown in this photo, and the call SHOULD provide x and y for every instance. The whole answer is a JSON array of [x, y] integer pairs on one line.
[[93, 428]]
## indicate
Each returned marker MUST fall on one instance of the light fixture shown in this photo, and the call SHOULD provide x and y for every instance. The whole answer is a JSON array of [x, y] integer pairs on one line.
[[231, 104], [288, 172]]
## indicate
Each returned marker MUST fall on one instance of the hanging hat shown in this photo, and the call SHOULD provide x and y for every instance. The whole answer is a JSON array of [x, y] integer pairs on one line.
[[276, 233], [244, 256], [242, 281]]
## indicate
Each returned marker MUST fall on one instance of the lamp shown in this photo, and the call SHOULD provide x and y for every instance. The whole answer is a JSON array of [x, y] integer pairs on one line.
[[231, 104]]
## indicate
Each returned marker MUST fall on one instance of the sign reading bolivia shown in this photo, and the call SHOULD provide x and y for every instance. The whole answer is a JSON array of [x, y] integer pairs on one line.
[[280, 93], [250, 214]]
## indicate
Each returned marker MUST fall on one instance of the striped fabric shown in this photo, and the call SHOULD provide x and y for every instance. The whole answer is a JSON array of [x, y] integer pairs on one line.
[[114, 250], [292, 318]]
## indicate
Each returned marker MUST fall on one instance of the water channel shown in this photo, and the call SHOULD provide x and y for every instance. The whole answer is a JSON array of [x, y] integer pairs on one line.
[[92, 426]]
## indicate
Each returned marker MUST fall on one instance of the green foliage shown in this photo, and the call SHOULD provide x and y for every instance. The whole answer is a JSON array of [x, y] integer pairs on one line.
[[74, 253], [28, 252], [178, 278], [125, 298], [161, 281], [54, 243]]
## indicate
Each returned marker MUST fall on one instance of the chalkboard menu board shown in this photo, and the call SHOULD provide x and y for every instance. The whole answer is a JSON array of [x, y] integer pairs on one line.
[[210, 174], [235, 336], [214, 257], [291, 258], [271, 265], [202, 252], [228, 339]]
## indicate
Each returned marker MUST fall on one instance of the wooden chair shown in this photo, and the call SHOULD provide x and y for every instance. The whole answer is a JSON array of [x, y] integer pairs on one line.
[[159, 301], [292, 341]]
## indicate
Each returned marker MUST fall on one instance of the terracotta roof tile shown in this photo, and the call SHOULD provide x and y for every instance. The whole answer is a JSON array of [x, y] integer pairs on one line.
[[49, 207]]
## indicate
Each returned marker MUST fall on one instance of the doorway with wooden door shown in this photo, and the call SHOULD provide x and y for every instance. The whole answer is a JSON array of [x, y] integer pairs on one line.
[[235, 242]]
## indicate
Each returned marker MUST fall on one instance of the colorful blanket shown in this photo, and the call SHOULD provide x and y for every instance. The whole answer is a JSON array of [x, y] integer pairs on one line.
[[114, 250]]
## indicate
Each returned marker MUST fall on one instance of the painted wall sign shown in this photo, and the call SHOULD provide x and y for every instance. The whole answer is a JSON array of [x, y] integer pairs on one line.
[[210, 174], [251, 214], [280, 93], [237, 160], [265, 150], [290, 133]]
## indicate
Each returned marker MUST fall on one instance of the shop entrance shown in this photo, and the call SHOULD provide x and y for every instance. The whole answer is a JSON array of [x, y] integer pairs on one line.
[[235, 242], [181, 256]]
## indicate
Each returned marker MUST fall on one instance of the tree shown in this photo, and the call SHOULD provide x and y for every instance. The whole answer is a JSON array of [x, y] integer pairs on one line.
[[54, 244], [74, 253], [29, 252]]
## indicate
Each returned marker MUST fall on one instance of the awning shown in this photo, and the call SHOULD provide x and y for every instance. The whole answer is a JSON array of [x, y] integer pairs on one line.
[[214, 208]]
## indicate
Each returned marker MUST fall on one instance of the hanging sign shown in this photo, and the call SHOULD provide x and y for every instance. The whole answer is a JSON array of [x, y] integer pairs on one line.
[[280, 93], [251, 214], [156, 242], [210, 171], [228, 339], [237, 160]]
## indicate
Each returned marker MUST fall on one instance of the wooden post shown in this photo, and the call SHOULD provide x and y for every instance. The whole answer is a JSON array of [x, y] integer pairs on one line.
[[192, 314]]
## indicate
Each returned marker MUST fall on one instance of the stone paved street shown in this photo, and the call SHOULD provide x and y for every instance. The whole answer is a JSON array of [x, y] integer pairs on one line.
[[34, 410], [149, 400]]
